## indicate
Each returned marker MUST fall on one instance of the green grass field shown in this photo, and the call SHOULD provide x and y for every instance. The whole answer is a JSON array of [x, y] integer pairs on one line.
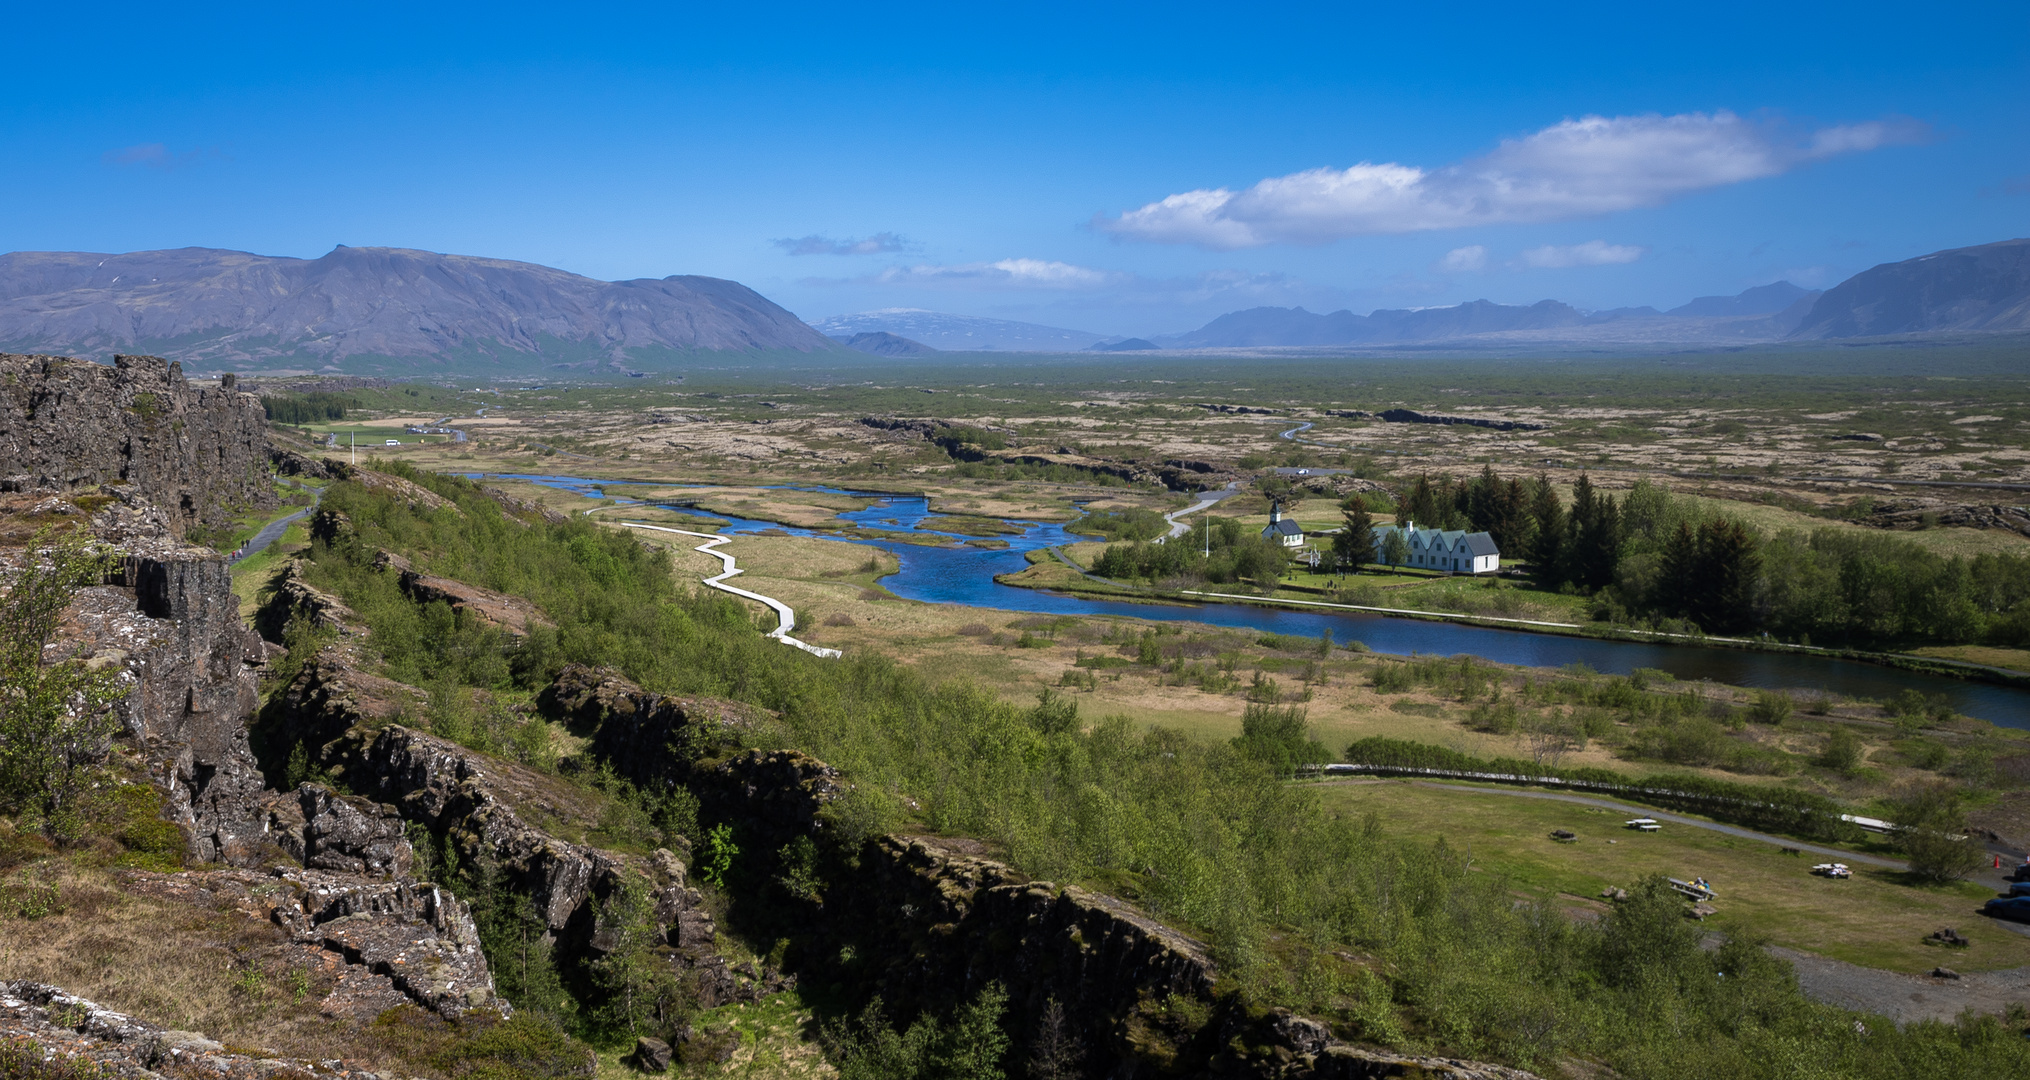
[[1876, 919]]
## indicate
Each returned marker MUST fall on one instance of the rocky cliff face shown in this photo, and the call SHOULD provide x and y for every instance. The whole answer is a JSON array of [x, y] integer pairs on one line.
[[933, 920], [198, 454], [657, 740], [134, 457], [168, 621], [939, 921]]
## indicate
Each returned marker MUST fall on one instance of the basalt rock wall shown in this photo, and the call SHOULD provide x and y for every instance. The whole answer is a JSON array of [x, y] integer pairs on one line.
[[929, 921], [199, 454], [936, 922], [167, 620], [656, 740]]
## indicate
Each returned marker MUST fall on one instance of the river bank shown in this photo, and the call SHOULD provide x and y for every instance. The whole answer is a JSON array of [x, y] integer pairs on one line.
[[1078, 581], [950, 570]]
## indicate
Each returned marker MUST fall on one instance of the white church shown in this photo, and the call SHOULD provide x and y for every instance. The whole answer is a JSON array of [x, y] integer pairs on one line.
[[1281, 529]]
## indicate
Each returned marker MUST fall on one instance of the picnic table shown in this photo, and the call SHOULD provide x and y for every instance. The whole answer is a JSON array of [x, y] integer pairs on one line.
[[1643, 824], [1696, 890]]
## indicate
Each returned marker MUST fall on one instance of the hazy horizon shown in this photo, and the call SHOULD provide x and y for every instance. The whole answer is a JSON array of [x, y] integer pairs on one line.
[[1128, 171]]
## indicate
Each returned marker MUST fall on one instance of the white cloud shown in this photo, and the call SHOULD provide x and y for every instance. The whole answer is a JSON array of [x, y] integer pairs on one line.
[[1001, 274], [155, 156], [1111, 286], [1577, 168], [1590, 253], [1471, 257], [824, 245]]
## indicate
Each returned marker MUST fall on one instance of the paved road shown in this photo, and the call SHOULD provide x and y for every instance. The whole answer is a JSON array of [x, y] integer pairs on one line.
[[1989, 877], [273, 530], [1206, 501], [1292, 434], [1676, 819]]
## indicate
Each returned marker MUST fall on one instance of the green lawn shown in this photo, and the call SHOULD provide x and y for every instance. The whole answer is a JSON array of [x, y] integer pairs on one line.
[[1876, 919]]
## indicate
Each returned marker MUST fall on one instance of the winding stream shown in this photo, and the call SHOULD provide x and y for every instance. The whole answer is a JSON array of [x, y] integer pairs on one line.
[[963, 574]]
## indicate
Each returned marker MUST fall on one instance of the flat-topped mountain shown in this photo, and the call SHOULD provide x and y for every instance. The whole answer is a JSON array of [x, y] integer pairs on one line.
[[232, 309]]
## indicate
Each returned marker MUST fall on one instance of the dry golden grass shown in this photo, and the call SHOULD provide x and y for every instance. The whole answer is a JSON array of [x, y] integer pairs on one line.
[[218, 972], [1941, 541]]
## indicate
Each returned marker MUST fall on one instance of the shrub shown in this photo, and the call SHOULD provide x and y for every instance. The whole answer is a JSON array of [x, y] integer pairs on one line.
[[1771, 707], [56, 719], [1934, 836], [27, 1061], [968, 1046], [1842, 751]]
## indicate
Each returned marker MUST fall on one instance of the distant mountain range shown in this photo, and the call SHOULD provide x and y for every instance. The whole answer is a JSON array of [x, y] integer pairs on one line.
[[1970, 288], [1133, 344], [1985, 288], [959, 333], [883, 343], [398, 311], [233, 309]]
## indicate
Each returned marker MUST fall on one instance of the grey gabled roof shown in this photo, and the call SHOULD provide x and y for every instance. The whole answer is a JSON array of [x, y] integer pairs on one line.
[[1478, 544], [1285, 527]]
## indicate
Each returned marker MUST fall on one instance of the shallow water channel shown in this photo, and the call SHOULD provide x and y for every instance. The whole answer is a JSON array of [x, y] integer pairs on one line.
[[963, 574]]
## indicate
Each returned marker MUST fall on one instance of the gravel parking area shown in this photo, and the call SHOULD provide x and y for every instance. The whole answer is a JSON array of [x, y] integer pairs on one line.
[[1907, 998]]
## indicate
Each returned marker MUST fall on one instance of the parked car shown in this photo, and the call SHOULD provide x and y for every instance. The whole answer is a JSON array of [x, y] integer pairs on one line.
[[2020, 888], [2008, 907], [394, 442]]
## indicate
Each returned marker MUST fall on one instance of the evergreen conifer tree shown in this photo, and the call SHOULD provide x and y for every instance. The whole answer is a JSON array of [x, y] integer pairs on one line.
[[1353, 548]]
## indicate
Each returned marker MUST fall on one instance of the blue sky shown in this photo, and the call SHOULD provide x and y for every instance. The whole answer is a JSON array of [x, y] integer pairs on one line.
[[1129, 169]]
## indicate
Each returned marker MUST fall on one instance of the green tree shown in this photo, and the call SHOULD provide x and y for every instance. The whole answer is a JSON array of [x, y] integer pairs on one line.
[[1723, 581], [970, 1046], [1353, 547], [639, 987], [1279, 736], [1593, 548], [1933, 834], [1395, 549], [1419, 503], [1547, 518], [56, 717], [1500, 508]]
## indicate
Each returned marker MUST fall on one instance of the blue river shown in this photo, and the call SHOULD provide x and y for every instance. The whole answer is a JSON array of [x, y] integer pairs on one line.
[[963, 574]]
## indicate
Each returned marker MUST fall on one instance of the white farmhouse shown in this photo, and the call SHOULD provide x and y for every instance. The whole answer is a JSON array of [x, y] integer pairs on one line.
[[1281, 529], [1451, 550]]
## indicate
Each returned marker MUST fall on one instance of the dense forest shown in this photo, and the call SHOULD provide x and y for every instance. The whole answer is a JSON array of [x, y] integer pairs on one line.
[[1199, 833], [1654, 557], [312, 408]]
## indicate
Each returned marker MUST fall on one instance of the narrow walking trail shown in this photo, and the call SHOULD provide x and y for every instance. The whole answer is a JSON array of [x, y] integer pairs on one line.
[[785, 617], [273, 531]]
